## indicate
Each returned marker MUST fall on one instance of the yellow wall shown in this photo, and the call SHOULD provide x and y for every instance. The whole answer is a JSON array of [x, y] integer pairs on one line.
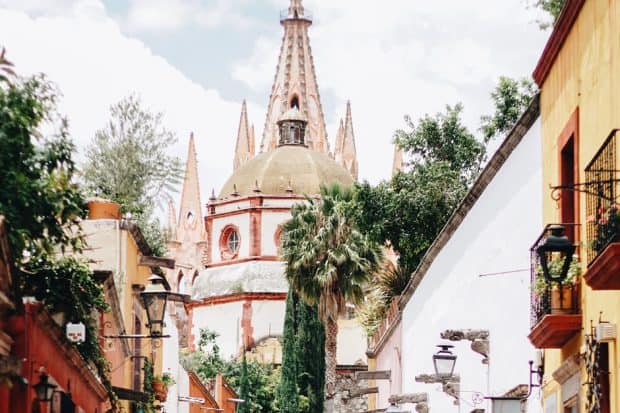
[[585, 75], [113, 249]]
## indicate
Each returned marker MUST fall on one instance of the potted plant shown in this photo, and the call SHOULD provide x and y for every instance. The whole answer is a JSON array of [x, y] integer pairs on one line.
[[160, 386], [607, 227], [560, 294]]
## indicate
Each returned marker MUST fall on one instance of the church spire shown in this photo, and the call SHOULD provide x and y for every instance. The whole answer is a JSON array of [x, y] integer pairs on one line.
[[397, 163], [345, 153], [243, 149], [189, 227], [171, 225], [295, 83]]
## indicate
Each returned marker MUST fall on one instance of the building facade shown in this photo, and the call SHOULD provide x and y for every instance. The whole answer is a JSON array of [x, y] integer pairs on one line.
[[227, 256], [473, 280], [575, 323]]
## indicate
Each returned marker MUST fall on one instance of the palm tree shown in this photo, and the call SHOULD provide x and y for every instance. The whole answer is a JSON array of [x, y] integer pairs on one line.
[[328, 262]]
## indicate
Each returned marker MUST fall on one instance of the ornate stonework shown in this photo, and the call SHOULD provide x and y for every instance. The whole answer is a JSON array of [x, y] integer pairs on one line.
[[295, 82]]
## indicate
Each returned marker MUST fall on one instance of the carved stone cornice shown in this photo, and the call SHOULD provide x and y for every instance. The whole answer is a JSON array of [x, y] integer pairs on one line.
[[479, 340]]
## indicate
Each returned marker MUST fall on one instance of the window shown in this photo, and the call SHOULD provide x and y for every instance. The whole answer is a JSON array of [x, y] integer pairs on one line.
[[295, 102], [233, 241], [230, 242]]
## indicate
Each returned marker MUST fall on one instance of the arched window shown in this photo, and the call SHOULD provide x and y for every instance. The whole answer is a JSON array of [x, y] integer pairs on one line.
[[294, 102], [230, 242], [181, 283]]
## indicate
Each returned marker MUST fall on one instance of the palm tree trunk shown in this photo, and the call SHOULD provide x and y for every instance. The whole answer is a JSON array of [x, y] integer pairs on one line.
[[331, 335]]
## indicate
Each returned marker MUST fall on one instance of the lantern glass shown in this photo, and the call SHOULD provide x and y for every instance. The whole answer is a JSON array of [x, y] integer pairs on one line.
[[506, 405], [154, 298], [393, 408], [44, 389], [444, 361], [556, 243]]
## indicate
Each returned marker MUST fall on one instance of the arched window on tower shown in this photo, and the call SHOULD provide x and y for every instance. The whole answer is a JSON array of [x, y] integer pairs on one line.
[[294, 102], [181, 284]]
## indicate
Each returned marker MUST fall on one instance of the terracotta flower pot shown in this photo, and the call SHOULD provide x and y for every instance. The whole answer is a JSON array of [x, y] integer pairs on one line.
[[99, 208], [562, 300], [160, 390]]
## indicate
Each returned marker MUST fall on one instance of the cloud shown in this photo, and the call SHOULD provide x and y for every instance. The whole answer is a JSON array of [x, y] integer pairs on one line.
[[95, 65], [405, 57], [167, 15]]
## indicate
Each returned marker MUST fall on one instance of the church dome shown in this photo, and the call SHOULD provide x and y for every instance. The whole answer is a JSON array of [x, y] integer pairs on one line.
[[304, 169]]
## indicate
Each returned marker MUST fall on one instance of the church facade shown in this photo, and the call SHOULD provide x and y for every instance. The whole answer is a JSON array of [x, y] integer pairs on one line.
[[227, 256]]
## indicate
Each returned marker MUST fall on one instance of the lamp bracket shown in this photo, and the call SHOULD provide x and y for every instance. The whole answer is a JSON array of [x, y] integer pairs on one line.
[[583, 187], [479, 340]]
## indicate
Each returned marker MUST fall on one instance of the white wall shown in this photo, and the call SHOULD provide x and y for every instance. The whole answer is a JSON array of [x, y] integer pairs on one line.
[[225, 319], [241, 221], [494, 237], [170, 364], [269, 225]]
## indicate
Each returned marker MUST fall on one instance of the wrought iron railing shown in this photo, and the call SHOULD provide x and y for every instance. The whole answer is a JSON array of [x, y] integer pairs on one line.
[[551, 298], [602, 207]]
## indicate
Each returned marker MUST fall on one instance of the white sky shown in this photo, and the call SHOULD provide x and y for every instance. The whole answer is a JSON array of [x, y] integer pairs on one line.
[[194, 60]]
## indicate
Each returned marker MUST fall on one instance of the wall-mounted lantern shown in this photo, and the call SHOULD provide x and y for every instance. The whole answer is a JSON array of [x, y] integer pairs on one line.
[[444, 361], [44, 389], [154, 297], [556, 242]]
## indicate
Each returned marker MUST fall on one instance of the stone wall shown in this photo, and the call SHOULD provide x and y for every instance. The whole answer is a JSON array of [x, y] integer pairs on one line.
[[345, 387]]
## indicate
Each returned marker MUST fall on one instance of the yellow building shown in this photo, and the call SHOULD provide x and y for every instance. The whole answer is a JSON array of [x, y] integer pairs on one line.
[[117, 247], [580, 111]]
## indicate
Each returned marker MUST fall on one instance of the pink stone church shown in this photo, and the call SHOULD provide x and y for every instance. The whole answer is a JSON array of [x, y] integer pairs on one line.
[[227, 259]]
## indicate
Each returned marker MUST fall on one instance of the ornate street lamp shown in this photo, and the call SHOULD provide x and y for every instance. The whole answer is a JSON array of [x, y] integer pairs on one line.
[[44, 389], [556, 242], [444, 361], [154, 297], [393, 408]]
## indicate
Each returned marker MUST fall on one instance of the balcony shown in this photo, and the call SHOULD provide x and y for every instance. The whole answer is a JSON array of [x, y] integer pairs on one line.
[[555, 313], [603, 218]]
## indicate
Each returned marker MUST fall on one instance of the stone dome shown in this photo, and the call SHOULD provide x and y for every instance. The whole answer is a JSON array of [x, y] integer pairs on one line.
[[304, 168]]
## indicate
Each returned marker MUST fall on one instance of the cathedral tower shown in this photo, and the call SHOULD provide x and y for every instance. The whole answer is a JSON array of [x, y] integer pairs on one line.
[[295, 82], [345, 153], [244, 150]]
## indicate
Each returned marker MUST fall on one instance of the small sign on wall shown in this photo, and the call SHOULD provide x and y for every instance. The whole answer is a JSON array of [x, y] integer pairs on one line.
[[76, 332]]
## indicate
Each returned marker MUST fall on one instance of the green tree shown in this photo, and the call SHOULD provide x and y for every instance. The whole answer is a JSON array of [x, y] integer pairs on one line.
[[244, 387], [43, 207], [510, 98], [408, 211], [288, 390], [262, 380], [551, 7], [302, 379], [128, 161], [328, 262]]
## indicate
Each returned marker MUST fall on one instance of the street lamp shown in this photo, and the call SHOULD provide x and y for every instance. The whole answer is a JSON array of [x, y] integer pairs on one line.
[[393, 408], [556, 241], [444, 361], [154, 297], [44, 389]]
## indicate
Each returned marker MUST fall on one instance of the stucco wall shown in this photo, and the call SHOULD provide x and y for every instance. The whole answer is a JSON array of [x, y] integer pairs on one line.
[[270, 223], [389, 358], [494, 237], [242, 222]]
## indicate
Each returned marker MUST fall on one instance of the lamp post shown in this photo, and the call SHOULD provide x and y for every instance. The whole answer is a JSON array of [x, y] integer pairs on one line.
[[556, 242], [444, 361], [44, 389]]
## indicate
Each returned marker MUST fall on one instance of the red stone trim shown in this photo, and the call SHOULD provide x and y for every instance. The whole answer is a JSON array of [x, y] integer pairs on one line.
[[253, 197], [242, 260], [256, 225], [562, 28], [225, 252], [230, 298], [246, 210]]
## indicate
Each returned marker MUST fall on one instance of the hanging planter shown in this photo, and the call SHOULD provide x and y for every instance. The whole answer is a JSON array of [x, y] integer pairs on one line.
[[160, 390]]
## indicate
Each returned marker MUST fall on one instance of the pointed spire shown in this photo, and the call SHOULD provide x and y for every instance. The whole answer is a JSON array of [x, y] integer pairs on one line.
[[243, 151], [171, 225], [252, 142], [397, 163], [339, 142], [345, 153], [295, 83], [190, 212], [296, 7]]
